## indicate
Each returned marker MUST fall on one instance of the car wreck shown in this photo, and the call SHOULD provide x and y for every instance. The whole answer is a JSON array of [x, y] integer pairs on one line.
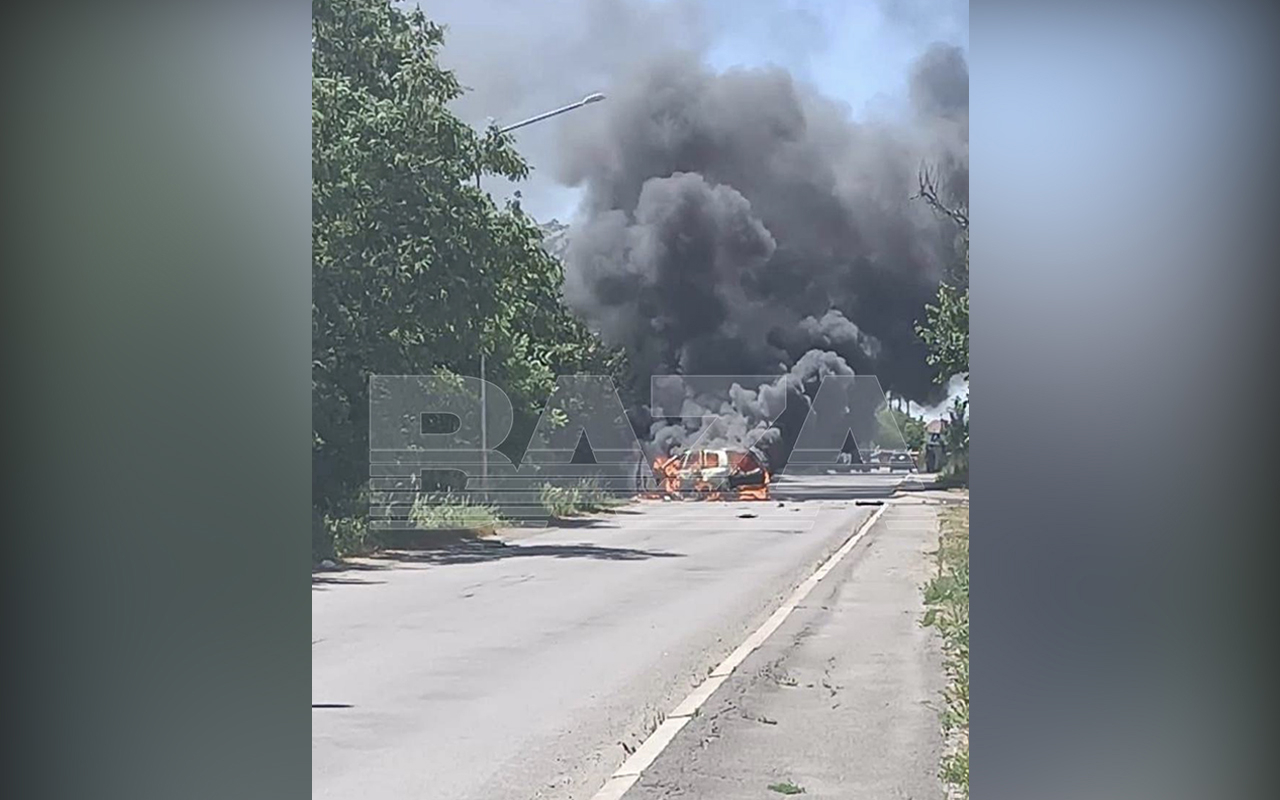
[[712, 474]]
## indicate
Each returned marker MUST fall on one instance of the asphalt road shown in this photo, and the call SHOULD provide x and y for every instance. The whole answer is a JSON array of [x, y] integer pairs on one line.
[[526, 668], [842, 700]]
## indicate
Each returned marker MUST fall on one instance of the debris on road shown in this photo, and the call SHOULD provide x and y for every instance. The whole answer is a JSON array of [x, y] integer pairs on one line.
[[786, 787]]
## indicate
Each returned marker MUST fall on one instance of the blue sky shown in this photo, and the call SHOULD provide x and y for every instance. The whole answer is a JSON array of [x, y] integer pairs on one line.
[[858, 51], [519, 59]]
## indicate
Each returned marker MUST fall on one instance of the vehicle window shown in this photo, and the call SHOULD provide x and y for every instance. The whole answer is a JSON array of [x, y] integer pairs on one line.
[[711, 459]]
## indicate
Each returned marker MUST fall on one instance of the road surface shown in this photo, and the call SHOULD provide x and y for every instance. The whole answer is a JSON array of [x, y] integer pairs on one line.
[[527, 668], [842, 700]]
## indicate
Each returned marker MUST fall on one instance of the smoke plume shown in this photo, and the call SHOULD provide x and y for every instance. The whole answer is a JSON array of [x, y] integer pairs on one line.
[[732, 222], [739, 223]]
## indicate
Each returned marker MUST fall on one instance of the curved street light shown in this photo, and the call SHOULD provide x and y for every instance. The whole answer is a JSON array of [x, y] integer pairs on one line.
[[594, 97]]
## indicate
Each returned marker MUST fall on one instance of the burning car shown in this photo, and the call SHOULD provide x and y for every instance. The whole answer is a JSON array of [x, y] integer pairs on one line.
[[714, 474]]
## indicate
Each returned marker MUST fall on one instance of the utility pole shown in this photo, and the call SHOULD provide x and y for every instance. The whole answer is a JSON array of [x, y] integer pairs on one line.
[[484, 406]]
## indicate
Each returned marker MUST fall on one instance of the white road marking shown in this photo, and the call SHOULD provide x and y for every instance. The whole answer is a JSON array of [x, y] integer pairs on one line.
[[629, 773]]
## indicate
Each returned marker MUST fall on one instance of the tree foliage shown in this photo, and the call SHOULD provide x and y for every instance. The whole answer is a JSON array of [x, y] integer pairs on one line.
[[946, 327], [946, 332], [956, 443], [912, 428], [416, 270]]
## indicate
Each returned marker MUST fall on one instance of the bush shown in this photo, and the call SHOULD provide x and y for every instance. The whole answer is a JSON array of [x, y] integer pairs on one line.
[[455, 513], [956, 441], [335, 537], [955, 474], [560, 501], [568, 501], [343, 537]]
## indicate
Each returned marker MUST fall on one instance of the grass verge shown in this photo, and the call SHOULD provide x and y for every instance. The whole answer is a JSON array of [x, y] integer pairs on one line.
[[946, 599], [454, 513], [562, 502], [346, 537]]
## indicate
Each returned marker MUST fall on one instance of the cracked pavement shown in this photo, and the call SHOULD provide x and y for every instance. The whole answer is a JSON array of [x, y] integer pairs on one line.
[[842, 701]]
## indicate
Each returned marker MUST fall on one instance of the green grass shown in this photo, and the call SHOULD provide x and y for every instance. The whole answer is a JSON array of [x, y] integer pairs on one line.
[[947, 610], [571, 501], [347, 536], [445, 511], [786, 787], [449, 512]]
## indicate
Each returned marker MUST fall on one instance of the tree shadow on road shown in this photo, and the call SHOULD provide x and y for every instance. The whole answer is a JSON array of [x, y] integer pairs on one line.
[[479, 550], [320, 581], [579, 522], [445, 547]]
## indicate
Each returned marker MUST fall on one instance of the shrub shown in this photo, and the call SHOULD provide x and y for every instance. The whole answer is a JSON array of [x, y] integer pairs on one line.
[[585, 498], [560, 501], [453, 512], [344, 537]]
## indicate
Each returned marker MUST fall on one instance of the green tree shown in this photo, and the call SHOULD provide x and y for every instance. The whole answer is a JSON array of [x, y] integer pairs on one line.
[[913, 429], [416, 270], [956, 442], [896, 427], [946, 327], [946, 332]]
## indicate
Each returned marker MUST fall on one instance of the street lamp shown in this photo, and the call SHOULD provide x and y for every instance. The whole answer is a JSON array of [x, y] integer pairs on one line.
[[594, 97], [591, 98]]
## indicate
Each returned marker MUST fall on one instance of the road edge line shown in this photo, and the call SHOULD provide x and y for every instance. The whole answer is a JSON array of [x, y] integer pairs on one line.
[[629, 773]]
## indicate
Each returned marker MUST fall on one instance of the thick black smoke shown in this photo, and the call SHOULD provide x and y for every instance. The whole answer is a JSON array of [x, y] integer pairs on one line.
[[796, 231], [759, 417], [733, 222], [739, 223]]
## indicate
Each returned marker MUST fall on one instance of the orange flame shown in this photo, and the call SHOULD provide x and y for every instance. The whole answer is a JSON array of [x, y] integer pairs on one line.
[[666, 472], [760, 492]]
